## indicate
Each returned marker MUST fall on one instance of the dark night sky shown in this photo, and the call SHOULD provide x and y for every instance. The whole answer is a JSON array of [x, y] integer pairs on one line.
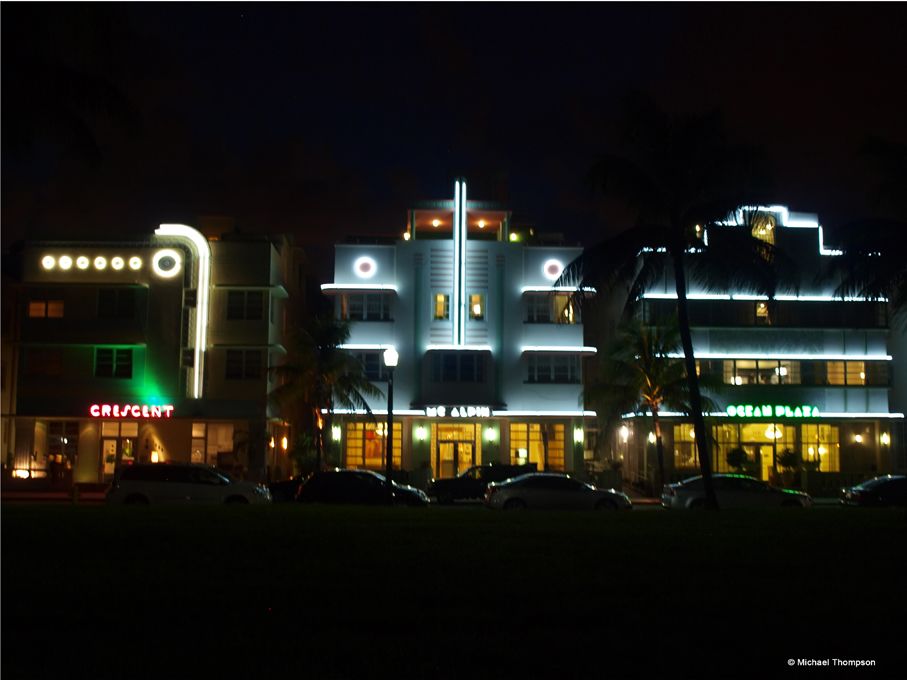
[[330, 119]]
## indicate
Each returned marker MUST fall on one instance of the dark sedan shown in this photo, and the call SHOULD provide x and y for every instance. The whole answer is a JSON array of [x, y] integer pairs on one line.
[[356, 487], [879, 492]]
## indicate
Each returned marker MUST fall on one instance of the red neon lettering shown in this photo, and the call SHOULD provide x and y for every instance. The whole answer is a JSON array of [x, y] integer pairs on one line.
[[167, 410], [144, 410], [136, 411], [105, 410], [95, 410], [155, 411], [116, 410]]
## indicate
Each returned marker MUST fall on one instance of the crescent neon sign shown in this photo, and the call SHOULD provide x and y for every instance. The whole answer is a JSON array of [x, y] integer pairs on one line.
[[131, 410]]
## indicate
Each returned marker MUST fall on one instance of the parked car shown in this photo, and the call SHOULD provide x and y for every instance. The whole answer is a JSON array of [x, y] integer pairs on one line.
[[732, 491], [285, 490], [359, 487], [882, 492], [182, 483], [550, 491], [472, 482]]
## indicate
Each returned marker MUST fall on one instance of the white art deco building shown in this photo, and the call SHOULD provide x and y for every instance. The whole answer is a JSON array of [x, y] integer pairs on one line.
[[490, 352], [810, 373]]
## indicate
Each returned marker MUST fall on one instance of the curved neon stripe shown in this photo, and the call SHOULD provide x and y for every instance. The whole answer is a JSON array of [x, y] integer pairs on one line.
[[203, 254]]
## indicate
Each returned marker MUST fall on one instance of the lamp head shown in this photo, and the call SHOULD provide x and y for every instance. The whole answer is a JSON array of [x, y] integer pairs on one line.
[[391, 357]]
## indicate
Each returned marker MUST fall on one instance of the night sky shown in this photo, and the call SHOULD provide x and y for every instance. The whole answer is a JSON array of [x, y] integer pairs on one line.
[[331, 119]]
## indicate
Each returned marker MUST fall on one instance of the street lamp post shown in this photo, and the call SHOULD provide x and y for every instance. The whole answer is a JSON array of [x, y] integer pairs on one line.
[[390, 360]]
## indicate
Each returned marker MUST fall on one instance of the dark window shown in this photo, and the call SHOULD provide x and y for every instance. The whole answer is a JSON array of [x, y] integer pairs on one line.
[[243, 364], [373, 366], [244, 305], [113, 363], [116, 303], [457, 367], [365, 307], [553, 368], [44, 361]]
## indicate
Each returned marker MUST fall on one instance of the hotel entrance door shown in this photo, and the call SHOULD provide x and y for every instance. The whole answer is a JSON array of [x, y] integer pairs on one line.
[[455, 457]]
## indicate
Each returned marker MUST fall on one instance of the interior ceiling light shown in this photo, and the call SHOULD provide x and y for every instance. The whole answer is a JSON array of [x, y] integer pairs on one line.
[[436, 223], [65, 262], [481, 224], [82, 262], [48, 262], [100, 262], [135, 263]]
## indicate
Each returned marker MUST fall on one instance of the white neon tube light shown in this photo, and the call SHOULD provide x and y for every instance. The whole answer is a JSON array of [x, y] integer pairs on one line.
[[203, 254], [375, 412], [747, 296], [463, 238], [364, 345], [456, 267], [468, 348], [566, 414], [556, 289], [722, 414], [359, 286], [782, 356], [576, 349]]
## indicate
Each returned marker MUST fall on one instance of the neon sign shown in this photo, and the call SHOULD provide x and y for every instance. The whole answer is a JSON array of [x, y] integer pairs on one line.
[[458, 412], [131, 410], [771, 411]]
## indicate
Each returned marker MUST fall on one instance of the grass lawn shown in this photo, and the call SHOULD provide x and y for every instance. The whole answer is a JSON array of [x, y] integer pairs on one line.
[[314, 592]]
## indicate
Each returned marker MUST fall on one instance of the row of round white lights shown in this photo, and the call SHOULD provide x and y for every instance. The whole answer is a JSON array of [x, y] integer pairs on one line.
[[165, 263]]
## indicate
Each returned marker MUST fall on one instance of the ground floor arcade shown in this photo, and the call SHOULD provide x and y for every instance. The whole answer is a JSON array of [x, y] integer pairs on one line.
[[772, 449], [63, 451], [426, 447]]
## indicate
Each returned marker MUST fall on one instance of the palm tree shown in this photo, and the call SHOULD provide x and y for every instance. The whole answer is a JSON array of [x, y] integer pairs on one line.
[[321, 377], [638, 373], [872, 264], [680, 176]]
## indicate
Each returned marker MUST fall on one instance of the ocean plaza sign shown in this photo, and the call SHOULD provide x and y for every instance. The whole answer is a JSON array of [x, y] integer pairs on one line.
[[771, 411]]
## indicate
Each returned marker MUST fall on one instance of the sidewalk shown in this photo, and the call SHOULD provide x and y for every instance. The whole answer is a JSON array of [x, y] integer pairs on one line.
[[56, 497]]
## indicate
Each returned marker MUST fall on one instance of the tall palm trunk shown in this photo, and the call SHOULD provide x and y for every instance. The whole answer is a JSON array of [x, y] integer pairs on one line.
[[659, 450], [683, 319]]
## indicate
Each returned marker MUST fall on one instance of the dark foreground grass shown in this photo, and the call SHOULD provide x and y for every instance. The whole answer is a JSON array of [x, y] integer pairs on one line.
[[305, 592]]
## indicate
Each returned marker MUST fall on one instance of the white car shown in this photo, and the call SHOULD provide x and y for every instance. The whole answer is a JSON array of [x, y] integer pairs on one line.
[[182, 483], [732, 491], [552, 492]]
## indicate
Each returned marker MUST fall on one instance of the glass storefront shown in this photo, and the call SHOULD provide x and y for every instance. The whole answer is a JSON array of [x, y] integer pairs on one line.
[[366, 446], [765, 445], [528, 445]]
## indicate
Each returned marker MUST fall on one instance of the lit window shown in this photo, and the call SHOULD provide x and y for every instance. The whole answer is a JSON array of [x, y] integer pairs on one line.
[[762, 315], [764, 227], [477, 306], [442, 307], [51, 309]]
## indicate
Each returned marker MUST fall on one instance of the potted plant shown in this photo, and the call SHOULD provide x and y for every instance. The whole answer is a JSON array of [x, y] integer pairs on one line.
[[736, 458]]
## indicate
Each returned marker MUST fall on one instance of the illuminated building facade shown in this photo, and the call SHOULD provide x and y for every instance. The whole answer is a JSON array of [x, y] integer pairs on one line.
[[806, 373], [148, 350], [490, 352]]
